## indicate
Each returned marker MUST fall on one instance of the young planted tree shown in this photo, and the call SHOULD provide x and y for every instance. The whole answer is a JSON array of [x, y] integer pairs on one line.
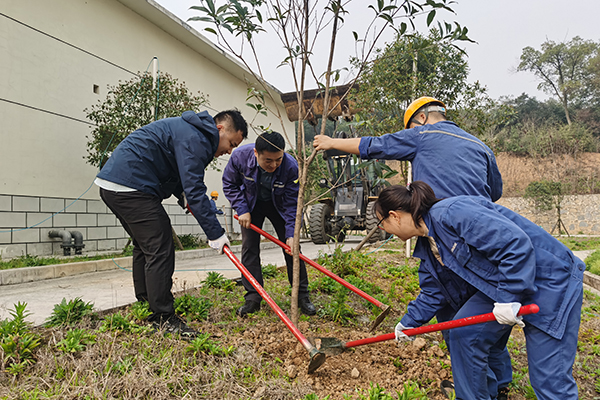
[[298, 26], [133, 104], [548, 195], [562, 69]]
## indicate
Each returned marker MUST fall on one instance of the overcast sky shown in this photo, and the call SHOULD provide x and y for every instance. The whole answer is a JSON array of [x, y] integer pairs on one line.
[[501, 28]]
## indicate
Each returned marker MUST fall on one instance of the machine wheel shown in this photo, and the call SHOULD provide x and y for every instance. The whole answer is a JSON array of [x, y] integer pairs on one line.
[[320, 227], [372, 222]]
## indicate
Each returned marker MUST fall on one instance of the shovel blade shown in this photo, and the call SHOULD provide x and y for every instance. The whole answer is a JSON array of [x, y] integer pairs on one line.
[[380, 318], [329, 346]]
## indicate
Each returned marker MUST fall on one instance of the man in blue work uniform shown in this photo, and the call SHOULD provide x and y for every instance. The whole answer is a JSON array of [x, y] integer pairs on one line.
[[452, 161], [214, 196], [164, 158], [261, 181], [510, 262]]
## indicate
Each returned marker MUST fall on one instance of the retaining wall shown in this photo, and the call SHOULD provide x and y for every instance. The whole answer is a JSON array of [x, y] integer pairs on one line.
[[580, 214], [26, 220]]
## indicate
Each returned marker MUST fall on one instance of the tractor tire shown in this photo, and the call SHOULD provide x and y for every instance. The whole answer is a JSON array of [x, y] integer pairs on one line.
[[372, 222], [320, 227]]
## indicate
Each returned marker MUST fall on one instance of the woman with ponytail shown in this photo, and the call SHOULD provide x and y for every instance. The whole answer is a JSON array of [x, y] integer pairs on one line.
[[482, 257]]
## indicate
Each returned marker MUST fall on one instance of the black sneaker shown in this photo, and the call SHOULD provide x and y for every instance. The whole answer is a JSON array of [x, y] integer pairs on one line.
[[306, 306], [502, 393], [249, 307], [175, 325], [447, 388]]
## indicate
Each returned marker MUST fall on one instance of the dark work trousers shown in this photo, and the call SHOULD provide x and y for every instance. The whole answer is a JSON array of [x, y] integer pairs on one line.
[[146, 221], [251, 250]]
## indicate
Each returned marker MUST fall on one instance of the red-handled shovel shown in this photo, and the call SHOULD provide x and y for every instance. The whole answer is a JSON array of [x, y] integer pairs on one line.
[[317, 357], [333, 346], [385, 309]]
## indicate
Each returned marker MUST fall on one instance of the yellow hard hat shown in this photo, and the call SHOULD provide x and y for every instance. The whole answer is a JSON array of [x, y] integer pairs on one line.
[[214, 193], [416, 105]]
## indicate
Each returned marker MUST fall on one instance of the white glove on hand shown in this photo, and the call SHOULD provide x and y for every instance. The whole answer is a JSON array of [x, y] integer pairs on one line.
[[401, 336], [506, 313], [219, 243]]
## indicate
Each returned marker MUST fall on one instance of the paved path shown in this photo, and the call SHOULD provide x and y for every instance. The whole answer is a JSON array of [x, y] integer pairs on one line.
[[114, 288]]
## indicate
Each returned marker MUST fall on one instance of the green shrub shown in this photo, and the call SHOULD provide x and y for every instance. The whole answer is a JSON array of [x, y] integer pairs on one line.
[[189, 241], [592, 263], [69, 312], [76, 340], [17, 341], [218, 281], [192, 307], [269, 271]]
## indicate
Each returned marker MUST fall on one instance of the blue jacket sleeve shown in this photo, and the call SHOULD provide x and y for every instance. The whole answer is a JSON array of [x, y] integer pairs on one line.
[[508, 250], [428, 302], [192, 157], [494, 179], [232, 185], [400, 145], [289, 199]]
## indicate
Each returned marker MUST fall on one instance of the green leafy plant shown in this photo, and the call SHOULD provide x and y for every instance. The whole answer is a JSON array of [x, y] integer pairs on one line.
[[76, 340], [189, 240], [218, 281], [192, 307], [118, 322], [69, 312], [17, 341], [140, 310], [411, 391], [270, 271], [345, 263], [202, 344], [338, 309]]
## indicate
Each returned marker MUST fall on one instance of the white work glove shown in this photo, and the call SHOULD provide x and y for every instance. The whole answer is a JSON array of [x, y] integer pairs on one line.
[[506, 313], [219, 243], [401, 336]]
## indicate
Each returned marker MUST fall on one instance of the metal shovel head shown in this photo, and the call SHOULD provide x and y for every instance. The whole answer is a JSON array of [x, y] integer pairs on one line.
[[380, 318], [317, 358], [329, 346]]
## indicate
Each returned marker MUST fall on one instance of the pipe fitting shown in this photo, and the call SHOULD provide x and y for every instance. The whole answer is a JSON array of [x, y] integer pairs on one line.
[[78, 239], [66, 240]]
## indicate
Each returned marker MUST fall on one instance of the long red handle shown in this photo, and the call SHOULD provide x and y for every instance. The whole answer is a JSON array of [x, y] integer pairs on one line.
[[310, 262], [307, 345], [476, 319]]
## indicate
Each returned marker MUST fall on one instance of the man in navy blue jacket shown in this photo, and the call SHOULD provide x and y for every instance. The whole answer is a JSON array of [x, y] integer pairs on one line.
[[164, 158], [261, 181]]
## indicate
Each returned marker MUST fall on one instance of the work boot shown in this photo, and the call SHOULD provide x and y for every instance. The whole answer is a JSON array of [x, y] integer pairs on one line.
[[306, 306], [502, 393], [249, 307], [175, 325]]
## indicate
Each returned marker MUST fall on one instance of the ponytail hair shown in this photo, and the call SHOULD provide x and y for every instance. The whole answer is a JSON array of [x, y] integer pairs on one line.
[[416, 199]]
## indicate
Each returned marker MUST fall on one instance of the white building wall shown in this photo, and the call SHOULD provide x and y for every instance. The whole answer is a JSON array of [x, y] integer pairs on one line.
[[53, 54]]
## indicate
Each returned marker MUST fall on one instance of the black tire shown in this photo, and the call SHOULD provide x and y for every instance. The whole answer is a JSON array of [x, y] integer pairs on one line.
[[320, 227], [372, 222]]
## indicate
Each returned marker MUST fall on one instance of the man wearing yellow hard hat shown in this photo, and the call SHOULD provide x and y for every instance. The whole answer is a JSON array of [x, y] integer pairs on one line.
[[453, 162], [214, 196]]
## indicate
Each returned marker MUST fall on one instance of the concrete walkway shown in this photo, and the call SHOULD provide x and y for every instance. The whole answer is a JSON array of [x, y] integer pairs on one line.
[[114, 287]]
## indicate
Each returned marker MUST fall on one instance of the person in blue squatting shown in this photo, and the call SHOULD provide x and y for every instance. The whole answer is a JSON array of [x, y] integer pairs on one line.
[[452, 161], [486, 258], [261, 181]]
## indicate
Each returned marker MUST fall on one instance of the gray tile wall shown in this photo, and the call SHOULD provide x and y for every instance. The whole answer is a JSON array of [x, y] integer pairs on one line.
[[26, 220]]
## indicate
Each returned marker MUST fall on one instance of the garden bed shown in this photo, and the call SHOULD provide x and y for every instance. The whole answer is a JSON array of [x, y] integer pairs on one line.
[[257, 357]]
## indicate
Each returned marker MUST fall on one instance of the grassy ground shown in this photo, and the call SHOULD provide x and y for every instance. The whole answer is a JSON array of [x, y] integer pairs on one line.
[[87, 355]]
